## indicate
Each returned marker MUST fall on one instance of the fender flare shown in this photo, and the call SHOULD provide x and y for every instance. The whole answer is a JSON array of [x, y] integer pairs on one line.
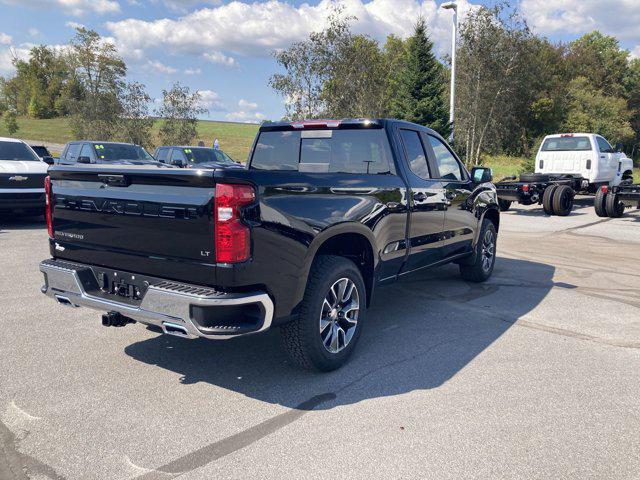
[[325, 235]]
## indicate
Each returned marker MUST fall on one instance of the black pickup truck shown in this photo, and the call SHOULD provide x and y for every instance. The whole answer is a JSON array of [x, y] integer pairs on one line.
[[324, 213]]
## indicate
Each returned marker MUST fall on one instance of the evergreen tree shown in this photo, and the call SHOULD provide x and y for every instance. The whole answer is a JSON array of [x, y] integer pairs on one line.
[[420, 96]]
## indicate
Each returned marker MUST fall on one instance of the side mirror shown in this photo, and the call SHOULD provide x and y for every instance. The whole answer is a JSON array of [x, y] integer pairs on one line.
[[84, 160], [481, 174], [48, 160], [619, 147], [179, 163]]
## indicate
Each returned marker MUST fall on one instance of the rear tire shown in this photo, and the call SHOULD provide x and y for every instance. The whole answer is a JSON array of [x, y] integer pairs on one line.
[[504, 205], [599, 203], [325, 332], [615, 208], [534, 177], [484, 257], [563, 200], [547, 199]]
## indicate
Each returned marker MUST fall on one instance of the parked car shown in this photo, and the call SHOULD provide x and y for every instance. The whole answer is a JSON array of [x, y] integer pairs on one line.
[[22, 175], [566, 164], [195, 157], [325, 213], [104, 152]]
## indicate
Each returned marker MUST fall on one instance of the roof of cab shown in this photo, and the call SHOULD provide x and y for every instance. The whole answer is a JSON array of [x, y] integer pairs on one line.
[[14, 140]]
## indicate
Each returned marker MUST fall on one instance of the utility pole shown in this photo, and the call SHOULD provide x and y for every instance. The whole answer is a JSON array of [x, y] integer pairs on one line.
[[454, 35]]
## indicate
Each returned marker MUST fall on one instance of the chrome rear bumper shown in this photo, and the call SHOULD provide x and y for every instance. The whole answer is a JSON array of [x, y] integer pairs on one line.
[[166, 304]]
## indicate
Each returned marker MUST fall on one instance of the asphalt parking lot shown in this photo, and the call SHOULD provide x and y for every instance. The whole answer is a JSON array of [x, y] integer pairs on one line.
[[535, 374]]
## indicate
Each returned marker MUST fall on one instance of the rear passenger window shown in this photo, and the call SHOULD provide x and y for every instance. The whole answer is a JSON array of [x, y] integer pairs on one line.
[[321, 151], [415, 153], [448, 166]]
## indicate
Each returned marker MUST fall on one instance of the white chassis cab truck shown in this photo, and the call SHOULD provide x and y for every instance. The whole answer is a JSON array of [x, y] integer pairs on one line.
[[567, 163]]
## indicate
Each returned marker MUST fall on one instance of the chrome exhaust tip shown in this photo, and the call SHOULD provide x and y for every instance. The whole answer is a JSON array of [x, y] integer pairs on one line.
[[174, 329], [62, 300]]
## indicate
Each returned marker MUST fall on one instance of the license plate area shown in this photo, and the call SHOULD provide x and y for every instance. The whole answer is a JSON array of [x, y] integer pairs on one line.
[[124, 287]]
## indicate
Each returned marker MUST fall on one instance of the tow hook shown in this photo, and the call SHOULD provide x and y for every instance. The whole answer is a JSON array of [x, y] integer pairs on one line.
[[115, 319]]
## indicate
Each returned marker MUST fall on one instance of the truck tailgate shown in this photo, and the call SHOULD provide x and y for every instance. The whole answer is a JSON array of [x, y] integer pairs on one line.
[[135, 218]]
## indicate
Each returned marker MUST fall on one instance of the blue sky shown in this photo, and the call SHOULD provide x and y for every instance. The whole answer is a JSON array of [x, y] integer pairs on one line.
[[222, 48]]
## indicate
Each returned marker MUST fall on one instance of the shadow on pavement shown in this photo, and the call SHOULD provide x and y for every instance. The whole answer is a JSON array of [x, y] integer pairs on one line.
[[420, 332], [21, 222]]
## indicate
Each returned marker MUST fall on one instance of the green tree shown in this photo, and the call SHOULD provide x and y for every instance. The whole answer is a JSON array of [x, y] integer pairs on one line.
[[493, 82], [590, 110], [420, 97], [599, 59], [100, 72], [356, 84], [395, 56], [10, 121], [135, 121], [38, 83], [179, 111], [308, 64]]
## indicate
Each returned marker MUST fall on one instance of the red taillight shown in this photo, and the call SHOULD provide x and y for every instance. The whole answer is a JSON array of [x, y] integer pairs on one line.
[[48, 207], [232, 237], [525, 188], [604, 189]]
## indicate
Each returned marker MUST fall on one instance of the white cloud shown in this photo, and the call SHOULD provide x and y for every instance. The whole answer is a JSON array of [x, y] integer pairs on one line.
[[211, 101], [74, 25], [615, 17], [160, 67], [8, 54], [259, 28], [220, 58], [33, 32], [246, 105], [5, 39], [72, 7], [635, 53], [192, 71], [245, 117]]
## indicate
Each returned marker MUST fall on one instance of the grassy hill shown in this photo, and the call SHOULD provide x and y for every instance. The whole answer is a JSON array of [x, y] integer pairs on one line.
[[234, 138]]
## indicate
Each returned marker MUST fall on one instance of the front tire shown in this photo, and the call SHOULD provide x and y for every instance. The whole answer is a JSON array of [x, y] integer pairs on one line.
[[484, 256], [332, 313], [615, 208]]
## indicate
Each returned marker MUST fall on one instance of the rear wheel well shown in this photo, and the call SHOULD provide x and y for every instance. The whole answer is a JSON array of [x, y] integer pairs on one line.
[[494, 217], [355, 247], [627, 174]]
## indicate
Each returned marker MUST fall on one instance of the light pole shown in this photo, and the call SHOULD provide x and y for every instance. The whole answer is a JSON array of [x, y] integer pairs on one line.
[[454, 34]]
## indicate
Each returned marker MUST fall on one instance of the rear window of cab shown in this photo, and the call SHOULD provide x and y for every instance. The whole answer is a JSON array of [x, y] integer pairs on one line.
[[566, 144], [360, 151]]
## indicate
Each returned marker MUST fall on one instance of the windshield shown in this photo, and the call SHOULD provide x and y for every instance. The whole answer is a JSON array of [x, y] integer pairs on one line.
[[566, 144], [121, 151], [207, 155], [17, 151]]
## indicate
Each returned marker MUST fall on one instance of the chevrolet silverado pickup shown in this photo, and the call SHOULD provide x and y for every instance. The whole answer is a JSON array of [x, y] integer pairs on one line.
[[22, 175], [323, 214]]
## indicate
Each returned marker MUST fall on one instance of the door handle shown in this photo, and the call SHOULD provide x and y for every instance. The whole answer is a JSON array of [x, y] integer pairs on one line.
[[420, 197]]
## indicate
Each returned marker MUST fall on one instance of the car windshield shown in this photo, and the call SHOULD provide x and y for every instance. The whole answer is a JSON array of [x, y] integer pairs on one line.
[[121, 151], [17, 151], [207, 155], [566, 144]]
